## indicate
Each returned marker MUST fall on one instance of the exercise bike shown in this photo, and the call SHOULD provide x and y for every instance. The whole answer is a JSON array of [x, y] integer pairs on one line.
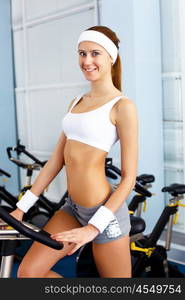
[[138, 202], [12, 231], [5, 195], [34, 215], [48, 206]]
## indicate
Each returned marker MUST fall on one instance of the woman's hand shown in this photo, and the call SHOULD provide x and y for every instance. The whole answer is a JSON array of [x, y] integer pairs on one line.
[[17, 214], [79, 236]]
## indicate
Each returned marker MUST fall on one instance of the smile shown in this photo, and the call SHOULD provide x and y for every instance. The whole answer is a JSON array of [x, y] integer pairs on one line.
[[90, 70]]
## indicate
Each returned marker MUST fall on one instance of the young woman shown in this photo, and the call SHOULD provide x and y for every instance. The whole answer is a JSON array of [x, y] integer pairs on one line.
[[93, 211]]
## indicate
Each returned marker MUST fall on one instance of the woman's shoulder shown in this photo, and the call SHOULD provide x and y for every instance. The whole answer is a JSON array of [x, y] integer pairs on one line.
[[125, 105], [73, 102]]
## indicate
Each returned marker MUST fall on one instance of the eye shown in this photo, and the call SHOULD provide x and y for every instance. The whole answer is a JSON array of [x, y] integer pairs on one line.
[[95, 53], [82, 53]]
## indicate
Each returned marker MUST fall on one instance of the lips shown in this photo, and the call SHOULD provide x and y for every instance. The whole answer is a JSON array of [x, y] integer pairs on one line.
[[90, 70]]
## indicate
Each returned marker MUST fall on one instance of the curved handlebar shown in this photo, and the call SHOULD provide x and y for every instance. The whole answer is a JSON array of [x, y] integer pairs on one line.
[[138, 187], [33, 233], [2, 172], [141, 190], [21, 149]]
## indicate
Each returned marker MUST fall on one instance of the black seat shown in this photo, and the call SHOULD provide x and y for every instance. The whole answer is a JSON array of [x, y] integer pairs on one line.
[[145, 178], [137, 225], [174, 189]]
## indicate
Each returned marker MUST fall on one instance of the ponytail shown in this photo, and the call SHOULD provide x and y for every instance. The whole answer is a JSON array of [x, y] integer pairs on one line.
[[116, 73]]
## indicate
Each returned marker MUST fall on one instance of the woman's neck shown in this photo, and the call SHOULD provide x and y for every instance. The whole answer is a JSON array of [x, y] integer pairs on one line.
[[102, 89]]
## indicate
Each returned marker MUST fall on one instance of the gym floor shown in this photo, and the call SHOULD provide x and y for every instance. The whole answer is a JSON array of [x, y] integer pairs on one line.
[[66, 266]]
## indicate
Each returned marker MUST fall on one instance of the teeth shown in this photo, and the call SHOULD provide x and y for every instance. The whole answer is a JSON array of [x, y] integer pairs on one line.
[[89, 70]]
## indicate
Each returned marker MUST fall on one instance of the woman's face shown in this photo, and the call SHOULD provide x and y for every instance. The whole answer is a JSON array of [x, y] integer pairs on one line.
[[94, 60]]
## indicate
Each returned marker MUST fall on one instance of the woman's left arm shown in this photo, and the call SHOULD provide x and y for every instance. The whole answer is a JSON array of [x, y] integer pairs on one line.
[[127, 128]]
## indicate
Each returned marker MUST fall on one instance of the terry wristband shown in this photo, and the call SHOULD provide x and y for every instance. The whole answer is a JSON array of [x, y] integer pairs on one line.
[[102, 217], [27, 201]]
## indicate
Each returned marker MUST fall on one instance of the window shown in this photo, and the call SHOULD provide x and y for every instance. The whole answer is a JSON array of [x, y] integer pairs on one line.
[[173, 114]]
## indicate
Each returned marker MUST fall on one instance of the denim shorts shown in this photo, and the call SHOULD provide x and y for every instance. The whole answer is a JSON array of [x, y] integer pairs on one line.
[[116, 228]]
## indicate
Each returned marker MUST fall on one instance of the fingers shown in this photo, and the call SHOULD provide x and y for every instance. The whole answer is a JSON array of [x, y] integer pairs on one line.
[[75, 249], [78, 236], [70, 238], [62, 234]]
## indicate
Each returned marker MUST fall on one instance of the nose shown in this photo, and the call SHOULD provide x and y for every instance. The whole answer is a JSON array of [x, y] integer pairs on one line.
[[88, 59]]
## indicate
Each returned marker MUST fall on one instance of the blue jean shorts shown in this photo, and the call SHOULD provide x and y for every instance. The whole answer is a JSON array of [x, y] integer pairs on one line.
[[115, 230]]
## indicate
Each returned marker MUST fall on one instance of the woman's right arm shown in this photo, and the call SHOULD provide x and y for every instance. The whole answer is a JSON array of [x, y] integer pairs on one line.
[[46, 175]]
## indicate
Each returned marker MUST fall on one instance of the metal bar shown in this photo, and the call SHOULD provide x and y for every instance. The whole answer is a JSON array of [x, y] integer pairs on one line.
[[51, 86], [8, 231], [55, 16], [13, 238], [182, 51], [171, 75], [169, 232], [95, 12], [6, 266], [139, 209]]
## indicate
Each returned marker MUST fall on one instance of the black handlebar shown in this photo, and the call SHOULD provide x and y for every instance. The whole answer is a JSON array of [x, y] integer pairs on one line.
[[2, 172], [39, 235], [22, 149], [138, 187]]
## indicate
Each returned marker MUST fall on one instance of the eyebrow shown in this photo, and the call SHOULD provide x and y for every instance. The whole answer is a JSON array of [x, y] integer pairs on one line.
[[89, 51]]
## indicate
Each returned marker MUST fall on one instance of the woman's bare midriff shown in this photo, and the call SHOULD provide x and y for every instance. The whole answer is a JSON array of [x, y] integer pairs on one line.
[[85, 170]]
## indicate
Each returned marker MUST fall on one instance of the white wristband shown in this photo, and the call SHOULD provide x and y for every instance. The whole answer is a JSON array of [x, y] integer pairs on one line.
[[102, 217], [27, 201]]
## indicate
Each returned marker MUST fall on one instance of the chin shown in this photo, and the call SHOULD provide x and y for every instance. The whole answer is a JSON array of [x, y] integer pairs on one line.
[[92, 80], [89, 78]]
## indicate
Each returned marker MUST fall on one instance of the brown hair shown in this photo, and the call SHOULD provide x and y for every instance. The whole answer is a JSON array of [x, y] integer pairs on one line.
[[116, 68]]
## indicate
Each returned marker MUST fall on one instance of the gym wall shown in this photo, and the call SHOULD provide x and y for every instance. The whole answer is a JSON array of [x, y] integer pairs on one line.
[[47, 73], [8, 130]]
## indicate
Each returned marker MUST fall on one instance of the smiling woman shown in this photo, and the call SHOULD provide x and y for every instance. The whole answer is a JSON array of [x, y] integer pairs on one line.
[[93, 211], [104, 43]]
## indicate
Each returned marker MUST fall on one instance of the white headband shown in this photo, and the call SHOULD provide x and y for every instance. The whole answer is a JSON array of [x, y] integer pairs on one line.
[[102, 40]]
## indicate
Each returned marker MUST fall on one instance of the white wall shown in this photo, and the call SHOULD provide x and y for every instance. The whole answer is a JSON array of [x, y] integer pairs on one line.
[[47, 73], [7, 107]]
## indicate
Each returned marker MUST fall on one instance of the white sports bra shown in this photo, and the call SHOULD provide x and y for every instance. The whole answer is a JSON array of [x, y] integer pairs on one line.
[[93, 127]]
